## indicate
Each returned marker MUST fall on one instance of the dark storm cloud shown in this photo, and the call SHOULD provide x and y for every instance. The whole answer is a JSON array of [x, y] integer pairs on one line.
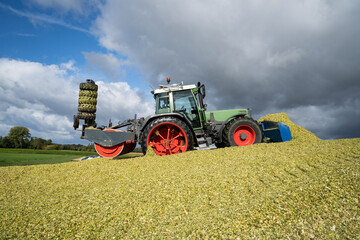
[[298, 57]]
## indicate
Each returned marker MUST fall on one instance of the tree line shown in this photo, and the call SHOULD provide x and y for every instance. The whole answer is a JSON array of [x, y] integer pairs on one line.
[[20, 137]]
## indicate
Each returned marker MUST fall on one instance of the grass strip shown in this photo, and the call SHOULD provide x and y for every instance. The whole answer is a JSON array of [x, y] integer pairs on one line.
[[37, 151]]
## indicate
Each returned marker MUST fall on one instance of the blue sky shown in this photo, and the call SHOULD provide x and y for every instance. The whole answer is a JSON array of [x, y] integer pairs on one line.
[[52, 36], [33, 33], [297, 57]]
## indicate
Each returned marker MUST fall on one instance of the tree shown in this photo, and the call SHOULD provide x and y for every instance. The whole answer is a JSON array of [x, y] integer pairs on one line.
[[19, 137], [6, 143], [37, 143], [52, 147]]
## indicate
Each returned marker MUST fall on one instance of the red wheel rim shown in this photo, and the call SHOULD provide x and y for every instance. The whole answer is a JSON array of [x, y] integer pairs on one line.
[[167, 139], [244, 135], [109, 152]]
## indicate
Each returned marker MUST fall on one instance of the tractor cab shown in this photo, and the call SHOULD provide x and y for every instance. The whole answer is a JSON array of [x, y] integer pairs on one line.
[[184, 99]]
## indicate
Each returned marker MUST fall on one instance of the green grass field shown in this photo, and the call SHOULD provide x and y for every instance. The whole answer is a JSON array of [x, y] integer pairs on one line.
[[21, 157], [10, 159], [24, 157]]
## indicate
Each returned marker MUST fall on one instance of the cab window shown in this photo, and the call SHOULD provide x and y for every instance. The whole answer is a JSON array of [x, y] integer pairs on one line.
[[162, 103], [185, 104]]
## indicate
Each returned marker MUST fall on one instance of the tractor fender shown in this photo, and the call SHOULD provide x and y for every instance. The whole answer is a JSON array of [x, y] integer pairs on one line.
[[220, 133], [177, 115]]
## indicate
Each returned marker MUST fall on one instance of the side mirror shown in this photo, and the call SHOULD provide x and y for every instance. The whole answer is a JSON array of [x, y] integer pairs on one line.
[[205, 106]]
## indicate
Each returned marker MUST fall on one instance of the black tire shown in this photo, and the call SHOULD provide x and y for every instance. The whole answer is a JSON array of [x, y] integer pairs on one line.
[[220, 145], [237, 124], [88, 86], [86, 116], [87, 93], [76, 122], [158, 123], [87, 108], [88, 100]]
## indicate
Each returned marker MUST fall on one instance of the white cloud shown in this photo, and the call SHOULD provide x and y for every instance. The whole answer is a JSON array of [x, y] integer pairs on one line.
[[33, 83], [108, 64], [42, 122], [43, 98], [70, 65], [37, 96], [116, 100]]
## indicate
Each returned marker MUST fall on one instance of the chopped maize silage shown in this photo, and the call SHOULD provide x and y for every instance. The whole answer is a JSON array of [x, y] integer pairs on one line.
[[298, 133], [262, 191], [150, 152]]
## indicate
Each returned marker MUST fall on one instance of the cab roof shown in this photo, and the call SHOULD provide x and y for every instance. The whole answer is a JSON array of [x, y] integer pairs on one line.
[[173, 88]]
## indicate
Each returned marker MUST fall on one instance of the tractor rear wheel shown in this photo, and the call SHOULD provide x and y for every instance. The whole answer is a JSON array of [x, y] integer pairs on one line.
[[242, 132], [167, 136]]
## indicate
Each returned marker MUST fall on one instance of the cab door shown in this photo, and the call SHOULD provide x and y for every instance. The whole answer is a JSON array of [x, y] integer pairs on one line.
[[185, 104]]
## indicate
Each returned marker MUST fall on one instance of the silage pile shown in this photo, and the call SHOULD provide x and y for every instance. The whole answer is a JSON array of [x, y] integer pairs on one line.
[[302, 189], [150, 153], [298, 133]]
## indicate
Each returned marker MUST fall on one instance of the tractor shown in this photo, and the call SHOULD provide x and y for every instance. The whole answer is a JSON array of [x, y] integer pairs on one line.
[[181, 123]]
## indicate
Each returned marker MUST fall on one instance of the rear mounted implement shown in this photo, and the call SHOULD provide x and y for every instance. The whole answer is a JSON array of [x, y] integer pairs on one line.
[[109, 141], [276, 131]]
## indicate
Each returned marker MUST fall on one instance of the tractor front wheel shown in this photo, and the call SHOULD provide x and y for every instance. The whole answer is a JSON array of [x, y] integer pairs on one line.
[[167, 136], [242, 132]]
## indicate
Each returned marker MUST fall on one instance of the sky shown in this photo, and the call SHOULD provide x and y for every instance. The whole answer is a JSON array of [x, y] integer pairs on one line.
[[300, 57]]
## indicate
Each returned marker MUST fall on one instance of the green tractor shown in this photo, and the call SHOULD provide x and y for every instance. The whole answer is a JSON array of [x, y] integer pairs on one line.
[[180, 123]]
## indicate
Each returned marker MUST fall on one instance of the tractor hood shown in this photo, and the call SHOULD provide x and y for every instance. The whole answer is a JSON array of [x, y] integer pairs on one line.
[[223, 115]]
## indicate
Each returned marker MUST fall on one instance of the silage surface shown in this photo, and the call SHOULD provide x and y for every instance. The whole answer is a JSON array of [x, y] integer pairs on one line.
[[266, 191], [298, 133]]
